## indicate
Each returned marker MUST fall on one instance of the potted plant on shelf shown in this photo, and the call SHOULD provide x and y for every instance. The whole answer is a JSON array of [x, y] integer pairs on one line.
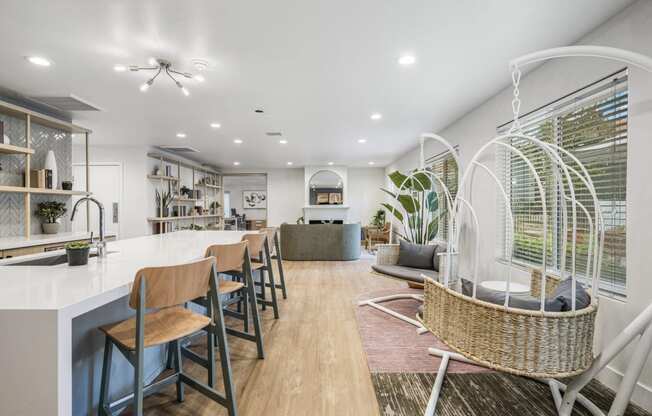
[[50, 212], [214, 207], [163, 201], [77, 253], [378, 220]]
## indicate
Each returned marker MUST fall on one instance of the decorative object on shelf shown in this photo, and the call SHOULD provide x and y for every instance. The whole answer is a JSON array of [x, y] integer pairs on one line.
[[37, 178], [322, 199], [163, 201], [157, 170], [186, 191], [254, 199], [2, 133], [51, 165], [77, 253], [168, 170], [420, 203], [165, 66], [214, 207], [335, 198], [50, 212], [378, 220], [67, 185]]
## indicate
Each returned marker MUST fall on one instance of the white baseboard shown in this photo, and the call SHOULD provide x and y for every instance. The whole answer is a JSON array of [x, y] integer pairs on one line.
[[642, 395]]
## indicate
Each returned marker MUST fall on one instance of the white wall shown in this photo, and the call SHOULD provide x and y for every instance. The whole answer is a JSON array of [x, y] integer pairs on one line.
[[631, 29], [235, 185], [286, 189], [364, 193], [136, 193]]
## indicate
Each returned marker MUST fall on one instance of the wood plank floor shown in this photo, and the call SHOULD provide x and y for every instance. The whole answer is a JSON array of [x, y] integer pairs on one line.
[[314, 362]]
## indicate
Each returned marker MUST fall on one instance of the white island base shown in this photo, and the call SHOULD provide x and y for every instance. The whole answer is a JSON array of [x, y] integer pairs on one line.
[[39, 304]]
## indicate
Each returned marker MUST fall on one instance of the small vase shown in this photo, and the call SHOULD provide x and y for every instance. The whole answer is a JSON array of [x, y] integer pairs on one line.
[[77, 256], [51, 227], [51, 164]]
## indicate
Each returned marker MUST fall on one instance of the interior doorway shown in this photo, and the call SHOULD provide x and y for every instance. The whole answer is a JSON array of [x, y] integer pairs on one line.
[[248, 201]]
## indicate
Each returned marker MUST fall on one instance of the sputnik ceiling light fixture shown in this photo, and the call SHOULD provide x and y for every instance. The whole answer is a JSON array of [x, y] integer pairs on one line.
[[162, 66]]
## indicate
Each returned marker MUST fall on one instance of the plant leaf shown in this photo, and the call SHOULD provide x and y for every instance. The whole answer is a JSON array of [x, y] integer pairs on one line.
[[433, 228], [397, 214], [409, 203], [397, 179], [421, 182], [390, 193], [432, 201]]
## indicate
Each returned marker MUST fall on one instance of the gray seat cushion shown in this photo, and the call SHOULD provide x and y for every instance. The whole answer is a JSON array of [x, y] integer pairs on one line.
[[520, 301], [439, 248], [564, 291], [418, 256], [406, 273]]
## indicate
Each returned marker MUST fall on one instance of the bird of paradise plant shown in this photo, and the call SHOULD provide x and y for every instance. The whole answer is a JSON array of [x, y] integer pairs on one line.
[[419, 212]]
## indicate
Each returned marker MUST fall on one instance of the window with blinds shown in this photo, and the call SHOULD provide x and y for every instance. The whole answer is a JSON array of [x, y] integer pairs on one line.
[[444, 167], [592, 125]]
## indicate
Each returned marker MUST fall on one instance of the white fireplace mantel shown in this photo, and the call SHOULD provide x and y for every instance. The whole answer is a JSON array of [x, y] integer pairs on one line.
[[325, 213]]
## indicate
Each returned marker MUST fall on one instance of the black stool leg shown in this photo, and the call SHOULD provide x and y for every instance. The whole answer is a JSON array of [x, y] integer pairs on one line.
[[243, 294], [139, 352], [176, 345], [220, 332], [106, 377], [270, 273], [253, 301], [280, 267]]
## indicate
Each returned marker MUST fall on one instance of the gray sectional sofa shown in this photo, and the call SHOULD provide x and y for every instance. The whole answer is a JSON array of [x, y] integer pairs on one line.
[[320, 241]]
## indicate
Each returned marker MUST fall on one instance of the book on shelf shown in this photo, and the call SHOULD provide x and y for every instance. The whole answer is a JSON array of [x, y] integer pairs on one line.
[[37, 178]]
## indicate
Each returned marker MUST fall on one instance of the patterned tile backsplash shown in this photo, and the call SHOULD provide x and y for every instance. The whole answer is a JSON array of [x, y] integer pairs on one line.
[[11, 204]]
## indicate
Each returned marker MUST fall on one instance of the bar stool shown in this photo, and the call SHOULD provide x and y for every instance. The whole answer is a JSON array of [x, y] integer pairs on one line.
[[258, 245], [166, 289], [229, 257], [273, 238]]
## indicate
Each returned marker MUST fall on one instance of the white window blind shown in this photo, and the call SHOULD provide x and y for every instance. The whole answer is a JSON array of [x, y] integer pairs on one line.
[[592, 125], [444, 167]]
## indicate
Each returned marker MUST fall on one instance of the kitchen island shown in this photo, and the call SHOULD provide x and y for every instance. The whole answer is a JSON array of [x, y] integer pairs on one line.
[[40, 306]]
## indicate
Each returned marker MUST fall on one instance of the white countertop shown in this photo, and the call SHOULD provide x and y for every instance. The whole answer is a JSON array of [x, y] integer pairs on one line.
[[7, 243], [79, 289]]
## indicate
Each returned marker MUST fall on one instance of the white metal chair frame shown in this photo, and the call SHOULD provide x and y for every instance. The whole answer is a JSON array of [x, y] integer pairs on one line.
[[641, 326]]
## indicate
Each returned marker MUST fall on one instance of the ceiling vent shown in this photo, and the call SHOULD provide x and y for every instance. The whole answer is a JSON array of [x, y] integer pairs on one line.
[[66, 103], [178, 149], [274, 133]]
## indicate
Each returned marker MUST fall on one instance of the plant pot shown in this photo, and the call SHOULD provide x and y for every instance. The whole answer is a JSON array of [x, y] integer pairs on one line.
[[66, 185], [77, 256], [51, 227]]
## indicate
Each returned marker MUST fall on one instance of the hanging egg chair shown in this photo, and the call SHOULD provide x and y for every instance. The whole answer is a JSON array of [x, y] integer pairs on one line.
[[514, 337]]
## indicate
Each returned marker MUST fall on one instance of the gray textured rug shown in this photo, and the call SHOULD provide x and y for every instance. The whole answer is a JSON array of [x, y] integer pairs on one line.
[[478, 394]]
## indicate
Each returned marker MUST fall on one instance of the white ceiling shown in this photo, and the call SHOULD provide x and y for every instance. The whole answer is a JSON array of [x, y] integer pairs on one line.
[[318, 68]]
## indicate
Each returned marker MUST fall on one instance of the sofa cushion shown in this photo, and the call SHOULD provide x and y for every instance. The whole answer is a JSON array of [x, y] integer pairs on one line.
[[520, 301], [418, 256], [436, 258], [405, 273], [564, 291]]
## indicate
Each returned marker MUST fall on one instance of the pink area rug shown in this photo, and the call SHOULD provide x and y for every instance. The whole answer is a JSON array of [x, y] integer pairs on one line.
[[393, 346]]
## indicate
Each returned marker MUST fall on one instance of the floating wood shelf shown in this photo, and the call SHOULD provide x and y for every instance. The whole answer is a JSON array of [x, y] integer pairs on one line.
[[43, 191], [187, 200], [187, 217], [207, 186], [9, 149], [165, 178]]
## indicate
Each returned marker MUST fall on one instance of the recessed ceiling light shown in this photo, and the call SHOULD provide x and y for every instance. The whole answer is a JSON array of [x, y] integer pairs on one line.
[[362, 141], [376, 116], [283, 141], [216, 125], [120, 68], [236, 163], [199, 78], [200, 64], [181, 135], [237, 141], [290, 163], [407, 60], [39, 60], [330, 163], [372, 163]]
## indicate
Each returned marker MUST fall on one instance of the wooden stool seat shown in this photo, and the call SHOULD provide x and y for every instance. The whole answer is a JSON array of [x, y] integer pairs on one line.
[[161, 327], [255, 265], [228, 286]]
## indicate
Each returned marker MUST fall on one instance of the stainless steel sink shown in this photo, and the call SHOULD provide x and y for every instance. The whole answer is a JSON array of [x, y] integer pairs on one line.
[[50, 261]]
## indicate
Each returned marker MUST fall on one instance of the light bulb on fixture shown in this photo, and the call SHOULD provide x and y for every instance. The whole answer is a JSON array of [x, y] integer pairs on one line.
[[199, 78], [119, 68], [39, 60], [145, 86]]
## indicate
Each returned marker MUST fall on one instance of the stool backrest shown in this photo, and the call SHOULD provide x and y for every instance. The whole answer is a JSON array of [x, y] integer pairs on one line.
[[256, 242], [271, 235], [172, 285], [228, 256]]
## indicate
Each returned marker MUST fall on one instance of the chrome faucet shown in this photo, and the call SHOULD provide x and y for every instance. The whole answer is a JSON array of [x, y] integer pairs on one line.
[[101, 245]]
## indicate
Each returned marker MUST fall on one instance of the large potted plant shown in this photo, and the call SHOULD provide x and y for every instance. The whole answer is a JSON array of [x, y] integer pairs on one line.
[[50, 212], [418, 210]]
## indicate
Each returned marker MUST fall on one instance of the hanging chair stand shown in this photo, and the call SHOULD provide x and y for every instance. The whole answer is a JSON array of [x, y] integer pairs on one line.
[[376, 302], [524, 342]]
